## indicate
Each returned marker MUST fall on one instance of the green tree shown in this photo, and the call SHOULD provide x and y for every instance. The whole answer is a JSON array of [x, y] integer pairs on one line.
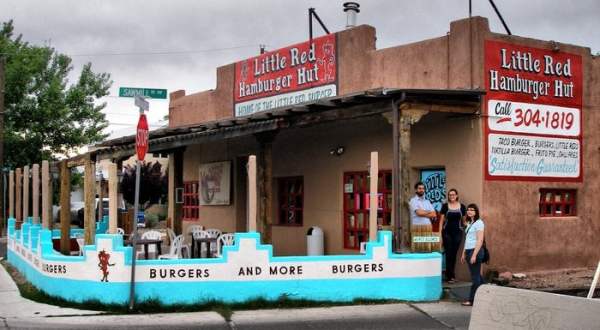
[[43, 116]]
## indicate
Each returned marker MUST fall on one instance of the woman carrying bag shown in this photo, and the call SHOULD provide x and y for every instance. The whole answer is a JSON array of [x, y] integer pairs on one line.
[[473, 250], [451, 220]]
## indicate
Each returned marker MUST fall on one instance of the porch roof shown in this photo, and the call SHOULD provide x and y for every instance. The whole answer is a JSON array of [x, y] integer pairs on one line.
[[360, 104]]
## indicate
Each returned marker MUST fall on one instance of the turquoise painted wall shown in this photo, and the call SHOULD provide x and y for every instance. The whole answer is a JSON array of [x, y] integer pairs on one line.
[[418, 274]]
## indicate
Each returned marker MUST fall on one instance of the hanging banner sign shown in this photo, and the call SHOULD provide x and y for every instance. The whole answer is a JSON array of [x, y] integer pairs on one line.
[[297, 74], [533, 109]]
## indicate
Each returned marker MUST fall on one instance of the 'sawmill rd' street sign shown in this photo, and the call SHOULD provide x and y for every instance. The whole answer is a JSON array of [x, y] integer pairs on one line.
[[153, 93]]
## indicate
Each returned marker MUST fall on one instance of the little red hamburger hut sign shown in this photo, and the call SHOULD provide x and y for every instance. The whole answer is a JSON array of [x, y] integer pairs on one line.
[[300, 73], [533, 107]]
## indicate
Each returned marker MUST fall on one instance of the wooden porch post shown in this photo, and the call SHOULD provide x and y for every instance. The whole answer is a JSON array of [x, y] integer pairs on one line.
[[265, 185], [35, 193], [252, 205], [174, 210], [65, 208], [89, 188], [100, 193], [113, 182], [11, 194], [19, 196], [374, 179], [46, 196], [26, 174], [408, 117]]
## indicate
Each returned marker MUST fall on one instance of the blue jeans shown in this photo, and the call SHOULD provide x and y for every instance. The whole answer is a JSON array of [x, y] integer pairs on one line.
[[475, 270]]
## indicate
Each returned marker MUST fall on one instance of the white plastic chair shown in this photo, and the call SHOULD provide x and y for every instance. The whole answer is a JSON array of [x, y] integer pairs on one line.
[[152, 234], [120, 231], [191, 230], [197, 235], [175, 249], [171, 235], [224, 240], [184, 247], [213, 233], [80, 243]]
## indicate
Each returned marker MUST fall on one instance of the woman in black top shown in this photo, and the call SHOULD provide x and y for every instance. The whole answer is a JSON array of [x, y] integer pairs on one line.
[[451, 219]]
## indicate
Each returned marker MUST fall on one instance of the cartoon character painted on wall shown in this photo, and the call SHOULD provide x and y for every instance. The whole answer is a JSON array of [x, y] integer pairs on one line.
[[328, 61], [103, 264]]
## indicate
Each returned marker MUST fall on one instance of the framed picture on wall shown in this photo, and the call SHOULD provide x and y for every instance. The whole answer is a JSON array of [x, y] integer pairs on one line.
[[215, 183]]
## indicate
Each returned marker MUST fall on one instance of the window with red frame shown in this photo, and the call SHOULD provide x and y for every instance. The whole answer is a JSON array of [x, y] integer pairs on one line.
[[558, 202], [191, 203], [291, 201], [356, 205]]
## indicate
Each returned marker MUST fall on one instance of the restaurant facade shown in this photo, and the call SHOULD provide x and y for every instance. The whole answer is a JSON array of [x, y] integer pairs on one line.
[[509, 121]]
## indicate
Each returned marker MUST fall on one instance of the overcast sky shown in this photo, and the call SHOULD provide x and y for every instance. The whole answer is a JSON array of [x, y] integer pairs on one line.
[[178, 44]]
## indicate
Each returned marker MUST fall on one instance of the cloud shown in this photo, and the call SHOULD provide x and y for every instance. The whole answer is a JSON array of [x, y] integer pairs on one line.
[[196, 35]]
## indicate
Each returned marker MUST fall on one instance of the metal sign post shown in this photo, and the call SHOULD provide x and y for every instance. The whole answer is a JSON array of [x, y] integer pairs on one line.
[[141, 147]]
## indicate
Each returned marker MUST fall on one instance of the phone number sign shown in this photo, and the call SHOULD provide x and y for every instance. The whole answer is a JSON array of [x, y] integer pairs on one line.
[[533, 108], [508, 116]]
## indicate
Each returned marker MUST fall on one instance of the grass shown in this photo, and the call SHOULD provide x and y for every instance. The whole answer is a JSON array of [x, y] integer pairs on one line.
[[226, 310]]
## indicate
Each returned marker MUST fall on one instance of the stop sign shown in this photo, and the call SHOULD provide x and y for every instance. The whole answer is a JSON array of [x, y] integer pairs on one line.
[[141, 138]]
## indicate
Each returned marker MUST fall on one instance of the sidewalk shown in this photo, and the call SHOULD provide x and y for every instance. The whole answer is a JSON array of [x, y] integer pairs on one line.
[[17, 312]]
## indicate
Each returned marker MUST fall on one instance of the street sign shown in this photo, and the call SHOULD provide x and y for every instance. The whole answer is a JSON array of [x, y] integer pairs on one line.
[[141, 138], [153, 93], [141, 103]]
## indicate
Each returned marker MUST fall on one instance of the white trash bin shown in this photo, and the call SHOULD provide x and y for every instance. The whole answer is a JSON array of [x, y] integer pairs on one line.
[[314, 241]]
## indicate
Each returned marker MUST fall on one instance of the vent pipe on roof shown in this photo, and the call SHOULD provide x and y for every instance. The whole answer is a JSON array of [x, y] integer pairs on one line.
[[351, 9]]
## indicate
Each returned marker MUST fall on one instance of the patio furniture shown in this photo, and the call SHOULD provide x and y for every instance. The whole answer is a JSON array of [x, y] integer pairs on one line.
[[224, 240], [80, 243], [200, 239], [171, 235], [155, 244], [151, 235], [185, 248], [175, 249], [190, 231], [213, 233]]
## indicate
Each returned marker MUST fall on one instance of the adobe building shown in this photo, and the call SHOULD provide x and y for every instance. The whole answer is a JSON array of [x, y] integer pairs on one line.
[[509, 121]]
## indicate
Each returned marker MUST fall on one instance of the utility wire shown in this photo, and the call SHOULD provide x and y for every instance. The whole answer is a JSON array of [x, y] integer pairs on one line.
[[152, 53]]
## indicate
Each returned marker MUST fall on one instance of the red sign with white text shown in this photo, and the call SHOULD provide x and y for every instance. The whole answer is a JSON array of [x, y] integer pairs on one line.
[[141, 138], [296, 74], [533, 113]]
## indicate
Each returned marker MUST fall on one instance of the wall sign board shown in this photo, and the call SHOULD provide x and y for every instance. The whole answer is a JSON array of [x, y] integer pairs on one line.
[[297, 74], [533, 110]]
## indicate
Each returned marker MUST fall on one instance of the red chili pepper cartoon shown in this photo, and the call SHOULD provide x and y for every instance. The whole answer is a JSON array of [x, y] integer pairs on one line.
[[103, 264]]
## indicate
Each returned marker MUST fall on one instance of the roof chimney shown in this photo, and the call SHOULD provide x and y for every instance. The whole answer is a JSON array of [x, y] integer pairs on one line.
[[351, 9]]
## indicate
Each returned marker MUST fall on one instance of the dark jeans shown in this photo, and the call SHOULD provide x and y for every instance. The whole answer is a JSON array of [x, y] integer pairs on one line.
[[475, 270], [451, 246]]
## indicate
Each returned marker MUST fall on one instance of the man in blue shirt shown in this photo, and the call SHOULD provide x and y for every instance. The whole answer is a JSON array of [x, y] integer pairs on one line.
[[421, 214], [421, 210]]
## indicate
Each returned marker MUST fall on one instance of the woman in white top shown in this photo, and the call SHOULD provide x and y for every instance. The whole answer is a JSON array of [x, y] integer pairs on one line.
[[473, 252]]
